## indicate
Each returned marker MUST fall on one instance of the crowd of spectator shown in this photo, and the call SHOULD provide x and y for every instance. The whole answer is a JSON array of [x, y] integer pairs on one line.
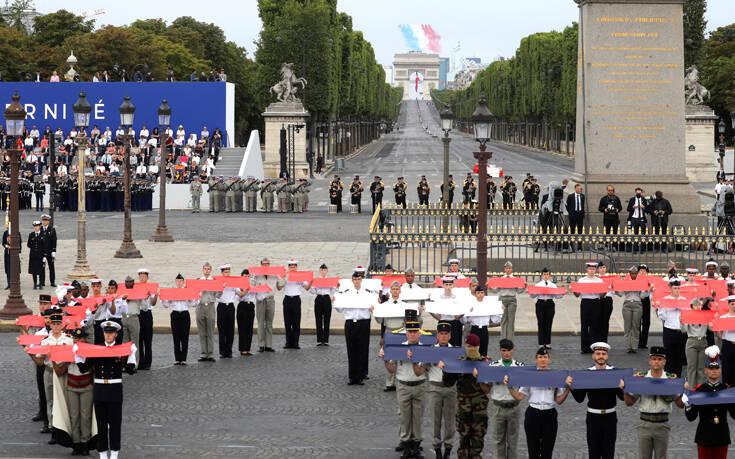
[[188, 154], [139, 74]]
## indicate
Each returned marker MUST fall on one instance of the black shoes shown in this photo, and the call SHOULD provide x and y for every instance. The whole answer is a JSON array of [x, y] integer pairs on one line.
[[261, 349], [269, 349], [38, 417], [447, 452], [45, 429], [389, 389]]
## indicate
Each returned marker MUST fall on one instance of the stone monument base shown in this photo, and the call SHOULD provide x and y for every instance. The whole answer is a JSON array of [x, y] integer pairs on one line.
[[700, 134], [684, 199], [280, 115]]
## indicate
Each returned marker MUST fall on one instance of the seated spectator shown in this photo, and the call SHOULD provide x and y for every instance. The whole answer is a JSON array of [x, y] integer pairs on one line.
[[61, 170], [35, 135], [192, 141], [28, 144], [59, 135], [44, 144], [96, 77], [54, 77], [115, 169], [204, 135], [222, 76], [143, 136]]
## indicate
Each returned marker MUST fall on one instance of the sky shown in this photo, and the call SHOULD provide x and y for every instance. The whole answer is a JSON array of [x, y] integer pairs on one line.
[[484, 28]]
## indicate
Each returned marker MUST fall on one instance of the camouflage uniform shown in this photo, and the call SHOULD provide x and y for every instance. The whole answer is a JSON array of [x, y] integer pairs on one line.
[[472, 416]]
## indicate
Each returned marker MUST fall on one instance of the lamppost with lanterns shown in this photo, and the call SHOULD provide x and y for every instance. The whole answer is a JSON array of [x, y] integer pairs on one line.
[[82, 111], [732, 121], [127, 248], [164, 121], [447, 119], [482, 120], [15, 116]]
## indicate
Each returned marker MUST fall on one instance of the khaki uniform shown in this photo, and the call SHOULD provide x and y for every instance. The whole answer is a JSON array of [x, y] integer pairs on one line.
[[410, 393], [265, 310], [632, 316], [238, 203], [195, 187], [229, 186], [131, 325], [79, 401], [251, 188], [282, 191], [653, 431], [48, 374], [443, 408], [266, 194], [297, 196], [212, 193], [506, 415], [206, 317], [221, 194], [510, 304]]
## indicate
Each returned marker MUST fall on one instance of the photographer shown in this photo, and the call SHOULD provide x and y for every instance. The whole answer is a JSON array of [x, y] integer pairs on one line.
[[553, 214], [610, 206], [637, 207], [725, 209], [660, 209]]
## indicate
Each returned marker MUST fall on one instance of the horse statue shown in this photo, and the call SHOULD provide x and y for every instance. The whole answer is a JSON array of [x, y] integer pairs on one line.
[[695, 92], [286, 89]]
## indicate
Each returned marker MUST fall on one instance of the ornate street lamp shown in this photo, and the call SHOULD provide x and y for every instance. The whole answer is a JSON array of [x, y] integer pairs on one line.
[[482, 120], [82, 111], [447, 119], [15, 117], [127, 248], [164, 121]]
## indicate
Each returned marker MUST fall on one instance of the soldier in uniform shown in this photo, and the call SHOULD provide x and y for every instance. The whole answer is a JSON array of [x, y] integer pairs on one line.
[[229, 185], [205, 317], [195, 188], [6, 253], [36, 244], [266, 195], [423, 190], [335, 193], [376, 192], [79, 401], [610, 206], [238, 188], [107, 395], [39, 189], [450, 192], [145, 318], [399, 189], [251, 188], [653, 431], [410, 389], [506, 412], [49, 236], [713, 434], [468, 189], [357, 333], [602, 422], [471, 403], [443, 399], [297, 197], [213, 194], [282, 192], [508, 189], [356, 190]]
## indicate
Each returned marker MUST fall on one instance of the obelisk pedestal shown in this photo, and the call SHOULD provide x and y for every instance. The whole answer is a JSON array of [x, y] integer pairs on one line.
[[280, 115]]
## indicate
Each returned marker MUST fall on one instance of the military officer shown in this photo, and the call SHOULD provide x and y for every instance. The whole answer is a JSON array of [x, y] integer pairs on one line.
[[107, 394], [469, 187], [376, 192], [399, 189], [335, 193], [356, 190], [49, 245], [213, 194], [266, 195], [357, 333], [39, 189], [238, 201], [653, 431], [443, 399], [265, 309], [410, 389], [36, 255], [450, 190], [195, 188], [423, 190], [79, 401], [145, 318], [282, 192], [251, 188], [130, 321], [230, 186]]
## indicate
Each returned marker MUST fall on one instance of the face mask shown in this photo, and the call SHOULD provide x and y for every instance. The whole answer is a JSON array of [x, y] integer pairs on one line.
[[472, 352]]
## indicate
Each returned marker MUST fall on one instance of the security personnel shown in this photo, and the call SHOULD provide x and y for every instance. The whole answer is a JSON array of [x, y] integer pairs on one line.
[[107, 394], [37, 252], [450, 192], [610, 206], [602, 421], [145, 318], [356, 190], [49, 246], [471, 403], [506, 412], [410, 389], [195, 188], [399, 190], [335, 192], [443, 399], [713, 434], [357, 333], [423, 191], [376, 192], [469, 187], [653, 431]]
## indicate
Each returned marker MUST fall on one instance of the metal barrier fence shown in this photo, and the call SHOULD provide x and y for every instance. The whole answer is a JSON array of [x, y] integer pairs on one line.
[[424, 239]]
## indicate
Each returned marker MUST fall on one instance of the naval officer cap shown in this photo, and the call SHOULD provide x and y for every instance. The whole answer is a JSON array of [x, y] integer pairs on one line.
[[448, 280], [36, 222], [45, 217], [692, 270], [711, 263], [44, 298], [657, 351], [96, 280], [143, 271], [225, 267], [730, 299], [292, 262], [454, 261], [109, 326], [600, 346], [443, 327], [592, 264]]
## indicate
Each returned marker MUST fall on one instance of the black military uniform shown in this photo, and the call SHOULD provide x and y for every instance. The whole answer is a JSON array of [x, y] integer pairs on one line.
[[450, 191], [423, 190], [712, 431], [39, 189], [356, 189], [376, 192], [610, 206], [468, 189], [36, 254], [335, 193], [49, 245], [6, 253], [602, 422], [107, 393], [400, 192], [509, 190]]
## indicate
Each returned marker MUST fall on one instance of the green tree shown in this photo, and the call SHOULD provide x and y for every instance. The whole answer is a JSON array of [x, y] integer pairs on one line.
[[694, 27], [52, 29], [718, 67], [16, 12]]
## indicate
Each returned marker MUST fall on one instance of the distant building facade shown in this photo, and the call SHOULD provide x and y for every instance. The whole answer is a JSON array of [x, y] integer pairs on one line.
[[417, 73]]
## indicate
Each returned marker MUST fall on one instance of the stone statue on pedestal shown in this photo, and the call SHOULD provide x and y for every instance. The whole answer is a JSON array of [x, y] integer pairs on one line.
[[694, 91], [286, 89]]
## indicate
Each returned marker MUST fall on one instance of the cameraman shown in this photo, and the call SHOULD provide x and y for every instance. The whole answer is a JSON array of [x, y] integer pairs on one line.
[[610, 206]]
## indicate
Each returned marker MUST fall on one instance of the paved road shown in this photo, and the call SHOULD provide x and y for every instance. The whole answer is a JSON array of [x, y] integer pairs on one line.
[[291, 404]]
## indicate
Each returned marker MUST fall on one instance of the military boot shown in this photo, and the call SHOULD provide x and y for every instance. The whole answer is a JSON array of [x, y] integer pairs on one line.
[[438, 452], [447, 452]]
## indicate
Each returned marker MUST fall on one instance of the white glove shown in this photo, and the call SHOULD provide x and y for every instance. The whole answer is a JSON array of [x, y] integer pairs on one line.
[[685, 400], [53, 254]]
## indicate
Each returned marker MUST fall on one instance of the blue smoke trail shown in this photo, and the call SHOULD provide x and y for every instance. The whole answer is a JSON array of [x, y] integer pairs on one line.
[[408, 36]]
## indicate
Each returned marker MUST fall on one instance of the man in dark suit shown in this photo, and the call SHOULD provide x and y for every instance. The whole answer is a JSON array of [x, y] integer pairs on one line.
[[49, 244], [637, 208], [35, 256], [576, 203]]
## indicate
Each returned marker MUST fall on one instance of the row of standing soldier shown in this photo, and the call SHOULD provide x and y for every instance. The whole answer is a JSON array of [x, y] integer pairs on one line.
[[236, 194]]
